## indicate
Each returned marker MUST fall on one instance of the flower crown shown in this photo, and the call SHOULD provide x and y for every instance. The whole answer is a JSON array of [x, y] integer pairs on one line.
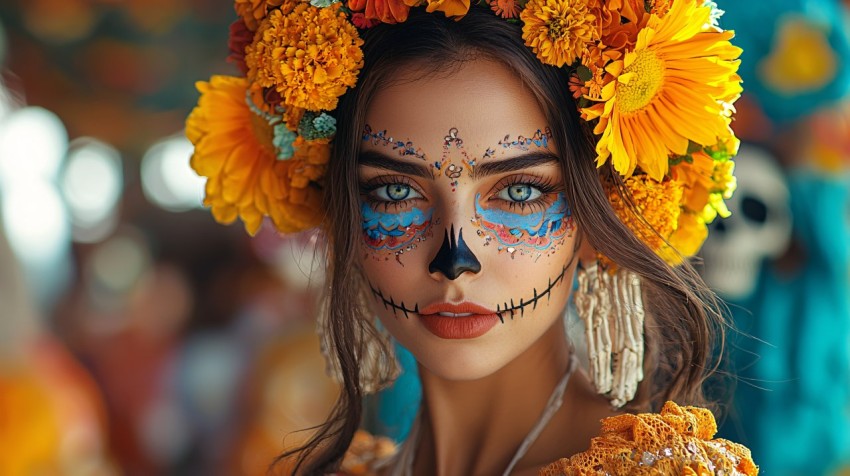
[[655, 78]]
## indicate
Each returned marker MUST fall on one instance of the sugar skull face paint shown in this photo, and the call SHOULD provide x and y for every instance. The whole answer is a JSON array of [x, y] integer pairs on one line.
[[389, 224], [462, 307], [535, 231], [394, 231]]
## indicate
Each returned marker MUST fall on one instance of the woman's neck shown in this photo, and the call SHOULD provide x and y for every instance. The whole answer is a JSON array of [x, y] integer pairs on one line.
[[475, 427]]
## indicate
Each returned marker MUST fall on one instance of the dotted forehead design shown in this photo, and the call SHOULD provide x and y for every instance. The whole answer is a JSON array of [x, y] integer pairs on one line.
[[540, 139], [404, 148]]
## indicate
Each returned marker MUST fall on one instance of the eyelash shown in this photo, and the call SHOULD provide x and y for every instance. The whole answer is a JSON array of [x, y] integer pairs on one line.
[[547, 187], [366, 189]]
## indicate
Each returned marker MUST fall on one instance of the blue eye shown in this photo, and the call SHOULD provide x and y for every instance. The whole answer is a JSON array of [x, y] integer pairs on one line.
[[521, 192], [396, 192]]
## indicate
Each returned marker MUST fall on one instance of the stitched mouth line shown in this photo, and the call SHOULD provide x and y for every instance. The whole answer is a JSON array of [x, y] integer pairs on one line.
[[391, 304], [513, 308], [501, 309]]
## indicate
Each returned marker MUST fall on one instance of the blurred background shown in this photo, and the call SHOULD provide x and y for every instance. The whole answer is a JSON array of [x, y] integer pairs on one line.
[[139, 337]]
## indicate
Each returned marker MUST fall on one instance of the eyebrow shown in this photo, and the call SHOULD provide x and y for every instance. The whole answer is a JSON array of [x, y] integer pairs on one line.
[[372, 158], [532, 159]]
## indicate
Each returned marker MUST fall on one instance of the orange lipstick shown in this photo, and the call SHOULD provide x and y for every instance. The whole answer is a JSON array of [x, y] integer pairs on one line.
[[464, 320]]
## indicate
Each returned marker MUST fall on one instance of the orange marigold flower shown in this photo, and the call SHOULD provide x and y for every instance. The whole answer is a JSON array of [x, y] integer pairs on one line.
[[234, 151], [577, 86], [451, 8], [656, 213], [678, 440], [311, 161], [310, 56], [506, 8], [559, 31], [386, 11], [253, 11]]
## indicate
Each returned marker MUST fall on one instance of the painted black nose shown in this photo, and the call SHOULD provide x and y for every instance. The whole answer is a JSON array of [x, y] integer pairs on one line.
[[454, 257]]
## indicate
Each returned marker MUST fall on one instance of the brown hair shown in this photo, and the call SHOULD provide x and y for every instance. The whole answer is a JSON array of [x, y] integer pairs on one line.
[[683, 326]]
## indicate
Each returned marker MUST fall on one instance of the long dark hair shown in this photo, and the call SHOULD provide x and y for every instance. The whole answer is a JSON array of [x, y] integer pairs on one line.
[[683, 325]]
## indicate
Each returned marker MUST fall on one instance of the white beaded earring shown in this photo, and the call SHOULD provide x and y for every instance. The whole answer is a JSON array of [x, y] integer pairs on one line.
[[611, 306]]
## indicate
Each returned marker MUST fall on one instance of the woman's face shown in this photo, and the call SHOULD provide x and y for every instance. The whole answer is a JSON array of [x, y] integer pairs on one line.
[[468, 243]]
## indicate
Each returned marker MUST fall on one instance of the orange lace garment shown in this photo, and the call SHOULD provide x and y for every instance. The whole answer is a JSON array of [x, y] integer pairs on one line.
[[676, 442]]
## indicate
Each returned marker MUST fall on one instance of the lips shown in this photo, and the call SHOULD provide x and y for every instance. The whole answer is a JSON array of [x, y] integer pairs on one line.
[[458, 321]]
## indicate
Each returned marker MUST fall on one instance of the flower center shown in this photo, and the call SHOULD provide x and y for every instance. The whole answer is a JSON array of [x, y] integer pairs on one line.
[[558, 28], [648, 77], [263, 131]]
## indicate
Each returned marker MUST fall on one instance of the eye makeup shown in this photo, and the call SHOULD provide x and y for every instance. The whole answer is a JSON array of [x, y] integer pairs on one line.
[[534, 233], [396, 232]]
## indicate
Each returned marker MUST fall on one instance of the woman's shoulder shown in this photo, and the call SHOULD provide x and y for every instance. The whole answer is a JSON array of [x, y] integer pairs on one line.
[[677, 441]]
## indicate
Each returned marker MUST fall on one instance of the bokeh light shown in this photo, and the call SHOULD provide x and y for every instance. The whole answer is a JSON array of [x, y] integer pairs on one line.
[[39, 233], [92, 183], [167, 180], [35, 219], [33, 142]]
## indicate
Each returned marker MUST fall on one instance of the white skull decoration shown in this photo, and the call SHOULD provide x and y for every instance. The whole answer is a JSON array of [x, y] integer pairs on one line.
[[759, 228]]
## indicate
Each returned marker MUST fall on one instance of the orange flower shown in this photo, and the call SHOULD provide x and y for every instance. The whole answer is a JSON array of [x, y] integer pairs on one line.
[[386, 11], [506, 8], [310, 56], [451, 8], [577, 86], [659, 206], [310, 164], [234, 150], [660, 7], [676, 441], [253, 11], [559, 31]]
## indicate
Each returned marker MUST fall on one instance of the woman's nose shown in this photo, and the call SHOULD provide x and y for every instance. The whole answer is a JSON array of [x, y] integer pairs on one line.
[[454, 257]]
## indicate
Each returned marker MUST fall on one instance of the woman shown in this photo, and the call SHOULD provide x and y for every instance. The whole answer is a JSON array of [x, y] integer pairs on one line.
[[459, 191]]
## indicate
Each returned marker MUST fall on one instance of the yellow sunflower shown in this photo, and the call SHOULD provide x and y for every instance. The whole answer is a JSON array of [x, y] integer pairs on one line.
[[234, 150], [559, 31], [673, 88], [310, 55]]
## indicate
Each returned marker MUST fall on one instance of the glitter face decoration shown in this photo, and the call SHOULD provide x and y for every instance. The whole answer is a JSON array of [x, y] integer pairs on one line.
[[396, 232], [536, 231], [451, 170], [539, 139], [404, 148]]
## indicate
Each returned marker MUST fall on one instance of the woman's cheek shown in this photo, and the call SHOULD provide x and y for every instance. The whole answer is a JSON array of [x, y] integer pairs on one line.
[[539, 233], [391, 233]]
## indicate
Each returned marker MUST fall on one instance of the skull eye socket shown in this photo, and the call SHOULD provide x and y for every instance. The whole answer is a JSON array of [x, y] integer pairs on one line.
[[754, 209]]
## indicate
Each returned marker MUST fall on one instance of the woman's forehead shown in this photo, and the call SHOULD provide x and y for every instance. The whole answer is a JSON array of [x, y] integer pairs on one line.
[[482, 101]]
